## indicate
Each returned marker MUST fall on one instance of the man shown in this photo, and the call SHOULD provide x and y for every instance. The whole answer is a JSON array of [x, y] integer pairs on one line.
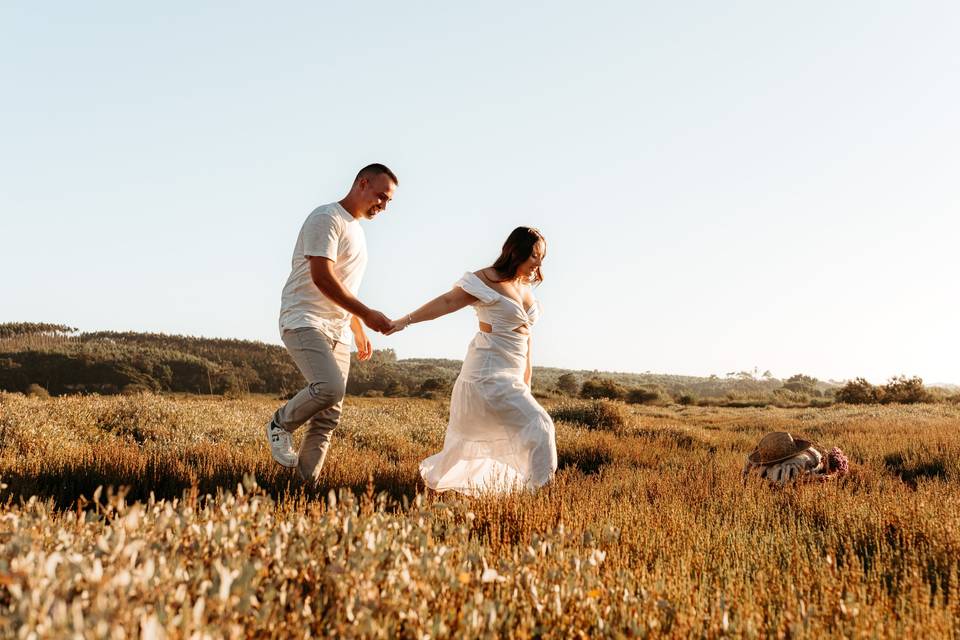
[[318, 306]]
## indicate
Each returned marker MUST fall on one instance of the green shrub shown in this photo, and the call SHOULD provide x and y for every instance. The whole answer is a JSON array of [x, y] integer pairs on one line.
[[785, 397], [135, 389], [858, 391], [899, 389], [801, 383], [395, 389], [647, 395], [36, 391], [433, 387], [596, 388], [569, 384], [905, 390], [599, 414]]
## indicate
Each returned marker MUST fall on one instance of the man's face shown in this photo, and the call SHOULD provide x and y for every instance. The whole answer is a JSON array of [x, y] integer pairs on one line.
[[375, 193]]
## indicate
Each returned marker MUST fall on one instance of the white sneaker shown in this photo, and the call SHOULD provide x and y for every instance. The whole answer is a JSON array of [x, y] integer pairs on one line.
[[281, 445]]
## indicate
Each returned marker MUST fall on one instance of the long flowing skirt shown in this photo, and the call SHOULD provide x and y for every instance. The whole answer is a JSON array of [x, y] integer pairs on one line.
[[498, 438]]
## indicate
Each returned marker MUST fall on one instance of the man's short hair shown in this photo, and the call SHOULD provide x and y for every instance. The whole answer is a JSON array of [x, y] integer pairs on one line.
[[376, 169]]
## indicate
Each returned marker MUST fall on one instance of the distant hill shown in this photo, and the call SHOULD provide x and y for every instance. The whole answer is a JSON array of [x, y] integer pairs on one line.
[[63, 360], [946, 386]]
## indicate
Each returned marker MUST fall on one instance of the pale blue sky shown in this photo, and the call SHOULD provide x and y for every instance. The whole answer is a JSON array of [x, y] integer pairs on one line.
[[722, 185]]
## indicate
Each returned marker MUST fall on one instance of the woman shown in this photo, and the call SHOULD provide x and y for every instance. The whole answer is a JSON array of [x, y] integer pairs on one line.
[[498, 437]]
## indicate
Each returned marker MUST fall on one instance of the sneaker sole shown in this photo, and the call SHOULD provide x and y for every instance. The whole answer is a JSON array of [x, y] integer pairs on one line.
[[272, 455]]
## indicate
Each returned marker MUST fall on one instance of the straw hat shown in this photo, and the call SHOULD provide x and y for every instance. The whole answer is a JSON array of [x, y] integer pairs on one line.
[[777, 446]]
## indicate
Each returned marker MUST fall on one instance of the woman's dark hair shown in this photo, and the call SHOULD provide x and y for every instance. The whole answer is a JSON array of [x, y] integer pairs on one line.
[[516, 250]]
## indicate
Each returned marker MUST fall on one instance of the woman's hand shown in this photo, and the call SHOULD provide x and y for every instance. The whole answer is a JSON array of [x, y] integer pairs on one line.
[[364, 346], [398, 325]]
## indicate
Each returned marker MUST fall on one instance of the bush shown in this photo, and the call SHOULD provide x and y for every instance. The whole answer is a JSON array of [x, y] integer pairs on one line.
[[786, 397], [433, 388], [687, 399], [905, 391], [899, 389], [596, 388], [801, 383], [745, 400], [36, 391], [647, 395], [599, 414], [395, 390], [858, 391], [135, 389], [569, 384]]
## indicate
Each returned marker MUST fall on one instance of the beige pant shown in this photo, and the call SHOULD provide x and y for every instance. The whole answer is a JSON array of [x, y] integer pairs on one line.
[[325, 364]]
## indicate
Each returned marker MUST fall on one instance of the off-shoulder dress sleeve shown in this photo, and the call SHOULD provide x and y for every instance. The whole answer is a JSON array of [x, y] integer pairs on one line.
[[476, 287]]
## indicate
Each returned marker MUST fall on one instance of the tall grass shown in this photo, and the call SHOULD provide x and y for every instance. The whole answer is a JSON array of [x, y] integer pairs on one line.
[[647, 530]]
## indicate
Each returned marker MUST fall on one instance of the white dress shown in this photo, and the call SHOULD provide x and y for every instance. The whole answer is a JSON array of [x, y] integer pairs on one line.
[[499, 438]]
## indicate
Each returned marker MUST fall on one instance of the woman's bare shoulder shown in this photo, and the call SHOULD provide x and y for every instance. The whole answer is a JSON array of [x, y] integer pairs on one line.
[[483, 275]]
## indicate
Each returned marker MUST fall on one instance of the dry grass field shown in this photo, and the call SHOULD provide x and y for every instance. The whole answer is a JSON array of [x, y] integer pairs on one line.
[[646, 532]]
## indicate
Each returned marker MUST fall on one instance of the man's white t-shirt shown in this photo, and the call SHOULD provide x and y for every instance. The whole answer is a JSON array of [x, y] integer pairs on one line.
[[329, 232]]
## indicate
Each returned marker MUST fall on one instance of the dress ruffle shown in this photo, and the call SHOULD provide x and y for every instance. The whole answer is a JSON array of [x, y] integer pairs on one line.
[[476, 287], [498, 438], [527, 460]]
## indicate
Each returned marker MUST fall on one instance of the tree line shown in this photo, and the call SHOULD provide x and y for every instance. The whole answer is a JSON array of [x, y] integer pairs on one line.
[[57, 359]]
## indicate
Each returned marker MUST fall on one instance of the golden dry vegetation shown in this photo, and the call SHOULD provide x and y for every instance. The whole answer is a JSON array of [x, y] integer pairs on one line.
[[646, 532]]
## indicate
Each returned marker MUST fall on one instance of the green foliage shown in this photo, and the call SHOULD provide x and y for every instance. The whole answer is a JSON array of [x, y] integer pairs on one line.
[[432, 387], [899, 389], [647, 395], [599, 414], [395, 389], [18, 329], [36, 391], [858, 391], [904, 390], [803, 384], [110, 362], [595, 388], [569, 384]]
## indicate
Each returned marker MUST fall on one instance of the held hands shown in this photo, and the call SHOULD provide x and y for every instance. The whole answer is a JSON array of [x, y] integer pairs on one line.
[[399, 325], [378, 322], [381, 323]]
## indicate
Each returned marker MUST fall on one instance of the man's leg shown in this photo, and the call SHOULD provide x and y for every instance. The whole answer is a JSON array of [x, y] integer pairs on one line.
[[316, 441], [314, 354]]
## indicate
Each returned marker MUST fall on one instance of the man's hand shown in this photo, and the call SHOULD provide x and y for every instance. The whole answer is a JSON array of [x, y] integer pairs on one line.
[[377, 321], [364, 346]]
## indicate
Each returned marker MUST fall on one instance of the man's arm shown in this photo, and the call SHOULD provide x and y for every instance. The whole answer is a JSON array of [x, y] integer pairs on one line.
[[321, 272]]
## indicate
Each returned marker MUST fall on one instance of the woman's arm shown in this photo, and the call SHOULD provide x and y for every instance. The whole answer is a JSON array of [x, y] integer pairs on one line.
[[528, 374], [451, 301]]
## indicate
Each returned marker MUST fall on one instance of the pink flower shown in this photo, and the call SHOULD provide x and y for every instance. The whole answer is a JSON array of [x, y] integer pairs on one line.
[[838, 461]]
